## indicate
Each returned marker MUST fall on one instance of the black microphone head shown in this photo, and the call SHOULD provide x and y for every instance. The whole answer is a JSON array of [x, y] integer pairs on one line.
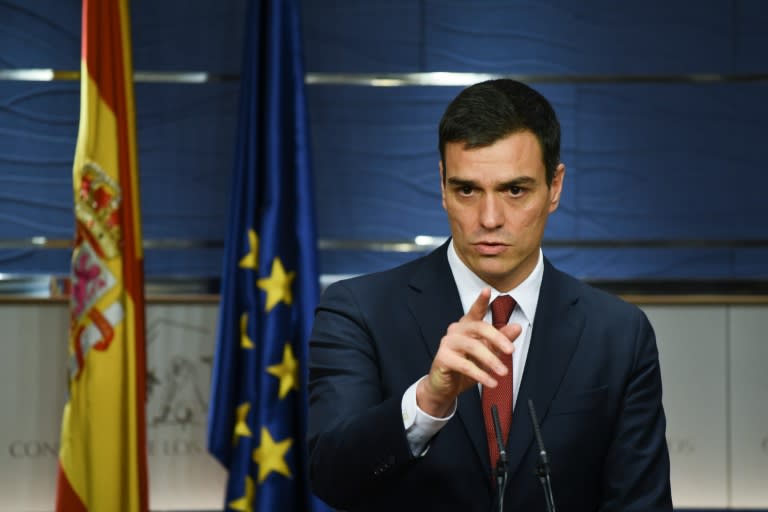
[[497, 427], [535, 422]]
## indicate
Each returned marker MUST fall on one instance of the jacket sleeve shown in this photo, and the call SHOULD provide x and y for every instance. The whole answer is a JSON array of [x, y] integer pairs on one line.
[[357, 439], [636, 470]]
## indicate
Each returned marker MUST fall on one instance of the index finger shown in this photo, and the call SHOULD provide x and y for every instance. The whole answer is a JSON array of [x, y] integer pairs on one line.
[[480, 306]]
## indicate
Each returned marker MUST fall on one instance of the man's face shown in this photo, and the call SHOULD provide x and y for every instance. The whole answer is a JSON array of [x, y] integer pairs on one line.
[[498, 202]]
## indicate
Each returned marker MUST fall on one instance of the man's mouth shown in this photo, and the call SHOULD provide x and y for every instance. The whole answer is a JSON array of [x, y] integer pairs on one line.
[[489, 247]]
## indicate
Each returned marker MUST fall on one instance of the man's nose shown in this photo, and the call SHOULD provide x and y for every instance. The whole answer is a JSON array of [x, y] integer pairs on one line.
[[491, 212]]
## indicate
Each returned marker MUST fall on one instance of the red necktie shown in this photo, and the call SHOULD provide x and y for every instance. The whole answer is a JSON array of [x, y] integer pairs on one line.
[[501, 395]]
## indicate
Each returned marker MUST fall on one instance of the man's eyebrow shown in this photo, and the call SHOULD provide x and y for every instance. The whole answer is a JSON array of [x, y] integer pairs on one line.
[[517, 182], [453, 180]]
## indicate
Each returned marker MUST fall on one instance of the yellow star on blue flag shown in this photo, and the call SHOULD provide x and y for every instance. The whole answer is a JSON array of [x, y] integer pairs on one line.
[[245, 502], [287, 371], [277, 286], [251, 259], [241, 427], [270, 456]]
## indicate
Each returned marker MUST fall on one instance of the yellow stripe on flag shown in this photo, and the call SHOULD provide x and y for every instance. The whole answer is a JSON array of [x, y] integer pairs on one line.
[[103, 448]]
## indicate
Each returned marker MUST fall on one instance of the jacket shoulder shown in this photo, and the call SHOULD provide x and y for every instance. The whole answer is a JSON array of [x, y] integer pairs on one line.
[[595, 298]]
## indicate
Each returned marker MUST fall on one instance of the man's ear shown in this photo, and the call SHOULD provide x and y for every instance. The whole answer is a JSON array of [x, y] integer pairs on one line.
[[442, 182], [556, 188]]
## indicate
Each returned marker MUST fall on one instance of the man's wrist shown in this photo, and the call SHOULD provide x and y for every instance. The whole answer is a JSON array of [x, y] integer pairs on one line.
[[435, 407]]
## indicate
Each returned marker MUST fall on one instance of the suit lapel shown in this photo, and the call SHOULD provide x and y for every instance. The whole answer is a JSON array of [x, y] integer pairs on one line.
[[434, 302], [556, 332]]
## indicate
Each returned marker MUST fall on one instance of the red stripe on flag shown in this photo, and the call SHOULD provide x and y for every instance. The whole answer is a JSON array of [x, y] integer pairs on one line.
[[66, 498], [133, 268], [102, 46]]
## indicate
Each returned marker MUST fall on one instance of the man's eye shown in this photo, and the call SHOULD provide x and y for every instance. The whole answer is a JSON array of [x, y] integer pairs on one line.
[[465, 190], [515, 191]]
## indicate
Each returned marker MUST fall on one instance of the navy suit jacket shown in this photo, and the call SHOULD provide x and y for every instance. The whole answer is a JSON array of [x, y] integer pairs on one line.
[[592, 373]]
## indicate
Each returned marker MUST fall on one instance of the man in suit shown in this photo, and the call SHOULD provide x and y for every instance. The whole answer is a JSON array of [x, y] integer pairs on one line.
[[406, 365]]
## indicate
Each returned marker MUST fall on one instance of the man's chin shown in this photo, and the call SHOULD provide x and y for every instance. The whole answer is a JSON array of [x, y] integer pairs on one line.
[[494, 273]]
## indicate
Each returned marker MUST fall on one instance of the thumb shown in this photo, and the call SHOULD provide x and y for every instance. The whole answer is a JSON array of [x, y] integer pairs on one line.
[[511, 331]]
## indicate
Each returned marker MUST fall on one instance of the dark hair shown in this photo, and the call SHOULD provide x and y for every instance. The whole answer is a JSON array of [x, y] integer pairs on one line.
[[485, 113]]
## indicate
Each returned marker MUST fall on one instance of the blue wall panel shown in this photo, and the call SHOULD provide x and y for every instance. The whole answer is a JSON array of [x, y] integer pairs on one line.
[[186, 144], [43, 262], [557, 37], [658, 263], [750, 36], [40, 34], [670, 161], [376, 161], [338, 36], [38, 123], [175, 35], [651, 161], [185, 140], [179, 35], [588, 37]]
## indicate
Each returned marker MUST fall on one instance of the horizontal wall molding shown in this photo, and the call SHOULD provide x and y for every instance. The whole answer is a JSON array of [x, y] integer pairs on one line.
[[465, 79], [40, 242], [178, 77], [434, 78], [44, 287], [418, 244]]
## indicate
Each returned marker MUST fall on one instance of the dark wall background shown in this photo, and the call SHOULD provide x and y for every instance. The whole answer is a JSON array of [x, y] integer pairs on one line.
[[663, 106]]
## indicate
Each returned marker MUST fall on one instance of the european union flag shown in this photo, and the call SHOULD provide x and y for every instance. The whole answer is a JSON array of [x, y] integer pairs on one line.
[[257, 416]]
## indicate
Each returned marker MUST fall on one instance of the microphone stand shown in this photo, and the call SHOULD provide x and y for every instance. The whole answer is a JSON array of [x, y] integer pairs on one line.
[[501, 462], [542, 469]]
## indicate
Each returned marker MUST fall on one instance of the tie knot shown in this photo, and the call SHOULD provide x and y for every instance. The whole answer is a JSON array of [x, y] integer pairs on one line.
[[501, 309]]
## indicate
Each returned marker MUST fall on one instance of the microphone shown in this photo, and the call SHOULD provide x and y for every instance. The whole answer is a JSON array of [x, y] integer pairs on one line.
[[542, 470], [501, 462]]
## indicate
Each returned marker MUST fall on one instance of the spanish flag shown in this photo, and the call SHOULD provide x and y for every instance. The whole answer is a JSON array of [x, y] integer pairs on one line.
[[102, 460]]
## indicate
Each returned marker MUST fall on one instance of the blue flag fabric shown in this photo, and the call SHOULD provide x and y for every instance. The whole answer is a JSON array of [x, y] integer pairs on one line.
[[258, 410]]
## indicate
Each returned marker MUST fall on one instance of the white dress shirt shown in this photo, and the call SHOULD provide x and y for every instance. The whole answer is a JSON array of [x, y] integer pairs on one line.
[[420, 427]]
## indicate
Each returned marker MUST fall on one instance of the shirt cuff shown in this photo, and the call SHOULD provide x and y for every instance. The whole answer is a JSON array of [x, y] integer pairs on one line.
[[420, 427]]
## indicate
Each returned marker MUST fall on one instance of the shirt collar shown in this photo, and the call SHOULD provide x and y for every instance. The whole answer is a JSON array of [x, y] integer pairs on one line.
[[526, 294]]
